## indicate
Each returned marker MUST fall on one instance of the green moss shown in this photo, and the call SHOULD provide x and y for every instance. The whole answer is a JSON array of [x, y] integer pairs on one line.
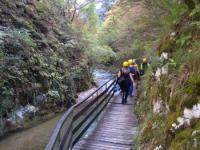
[[182, 140], [166, 46], [188, 101], [164, 88], [175, 100], [193, 84], [192, 87], [147, 134], [159, 129]]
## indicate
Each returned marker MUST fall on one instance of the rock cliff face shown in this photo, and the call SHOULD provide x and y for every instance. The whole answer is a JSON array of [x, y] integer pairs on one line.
[[169, 105], [42, 60]]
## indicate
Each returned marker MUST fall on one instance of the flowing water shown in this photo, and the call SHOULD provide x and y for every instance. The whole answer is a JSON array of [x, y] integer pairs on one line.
[[37, 137], [101, 76]]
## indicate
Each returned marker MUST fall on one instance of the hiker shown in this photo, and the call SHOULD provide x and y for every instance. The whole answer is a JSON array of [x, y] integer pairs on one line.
[[136, 75], [143, 66], [132, 72], [124, 80]]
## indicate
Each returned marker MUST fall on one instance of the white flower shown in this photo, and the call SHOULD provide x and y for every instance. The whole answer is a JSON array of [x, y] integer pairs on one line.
[[180, 120], [158, 148], [188, 114], [164, 56], [173, 33], [174, 125]]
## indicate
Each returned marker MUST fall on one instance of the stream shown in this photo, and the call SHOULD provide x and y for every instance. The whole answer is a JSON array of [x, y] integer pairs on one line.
[[36, 138]]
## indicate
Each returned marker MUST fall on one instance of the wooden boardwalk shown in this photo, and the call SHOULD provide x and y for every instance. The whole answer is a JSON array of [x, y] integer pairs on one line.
[[115, 130]]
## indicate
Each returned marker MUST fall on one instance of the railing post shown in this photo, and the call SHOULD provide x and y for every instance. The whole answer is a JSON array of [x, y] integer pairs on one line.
[[72, 127], [97, 92]]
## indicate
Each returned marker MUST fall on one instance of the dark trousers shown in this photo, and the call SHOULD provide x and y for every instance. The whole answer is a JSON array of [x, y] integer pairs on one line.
[[125, 91]]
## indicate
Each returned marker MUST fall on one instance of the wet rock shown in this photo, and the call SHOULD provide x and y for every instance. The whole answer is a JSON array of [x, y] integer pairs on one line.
[[19, 115], [41, 98]]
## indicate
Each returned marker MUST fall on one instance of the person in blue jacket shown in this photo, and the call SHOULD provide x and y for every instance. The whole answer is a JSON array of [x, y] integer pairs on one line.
[[132, 72]]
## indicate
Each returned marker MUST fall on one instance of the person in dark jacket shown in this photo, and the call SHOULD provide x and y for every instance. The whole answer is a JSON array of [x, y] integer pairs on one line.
[[137, 75], [143, 66], [124, 80]]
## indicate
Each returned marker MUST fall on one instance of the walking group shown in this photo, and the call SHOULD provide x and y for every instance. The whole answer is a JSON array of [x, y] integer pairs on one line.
[[129, 76]]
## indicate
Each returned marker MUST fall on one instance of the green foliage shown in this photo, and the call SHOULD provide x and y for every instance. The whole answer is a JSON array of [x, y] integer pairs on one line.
[[108, 33], [6, 94], [166, 46], [195, 13], [193, 84], [135, 51], [182, 140], [92, 17], [25, 39], [38, 50], [104, 55], [61, 2], [175, 10], [97, 51], [184, 40], [53, 95]]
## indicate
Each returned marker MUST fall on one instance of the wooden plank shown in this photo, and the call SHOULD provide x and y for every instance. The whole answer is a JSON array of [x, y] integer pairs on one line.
[[115, 131]]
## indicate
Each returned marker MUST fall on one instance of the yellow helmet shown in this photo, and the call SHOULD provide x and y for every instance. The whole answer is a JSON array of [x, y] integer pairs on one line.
[[125, 64], [144, 59], [130, 61]]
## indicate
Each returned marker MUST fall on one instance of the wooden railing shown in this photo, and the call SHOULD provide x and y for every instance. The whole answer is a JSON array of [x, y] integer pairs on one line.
[[75, 122]]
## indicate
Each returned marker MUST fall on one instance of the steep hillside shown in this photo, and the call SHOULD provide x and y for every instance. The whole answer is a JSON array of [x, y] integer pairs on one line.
[[42, 61], [169, 105]]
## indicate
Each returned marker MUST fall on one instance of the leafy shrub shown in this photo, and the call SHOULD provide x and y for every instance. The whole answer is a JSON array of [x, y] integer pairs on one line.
[[102, 55], [5, 95], [193, 84], [24, 38], [182, 140]]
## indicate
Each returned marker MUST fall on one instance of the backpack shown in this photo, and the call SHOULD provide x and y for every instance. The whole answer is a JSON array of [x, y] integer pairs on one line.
[[122, 78]]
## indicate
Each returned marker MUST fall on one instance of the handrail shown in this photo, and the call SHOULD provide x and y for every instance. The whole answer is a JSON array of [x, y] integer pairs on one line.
[[75, 122]]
